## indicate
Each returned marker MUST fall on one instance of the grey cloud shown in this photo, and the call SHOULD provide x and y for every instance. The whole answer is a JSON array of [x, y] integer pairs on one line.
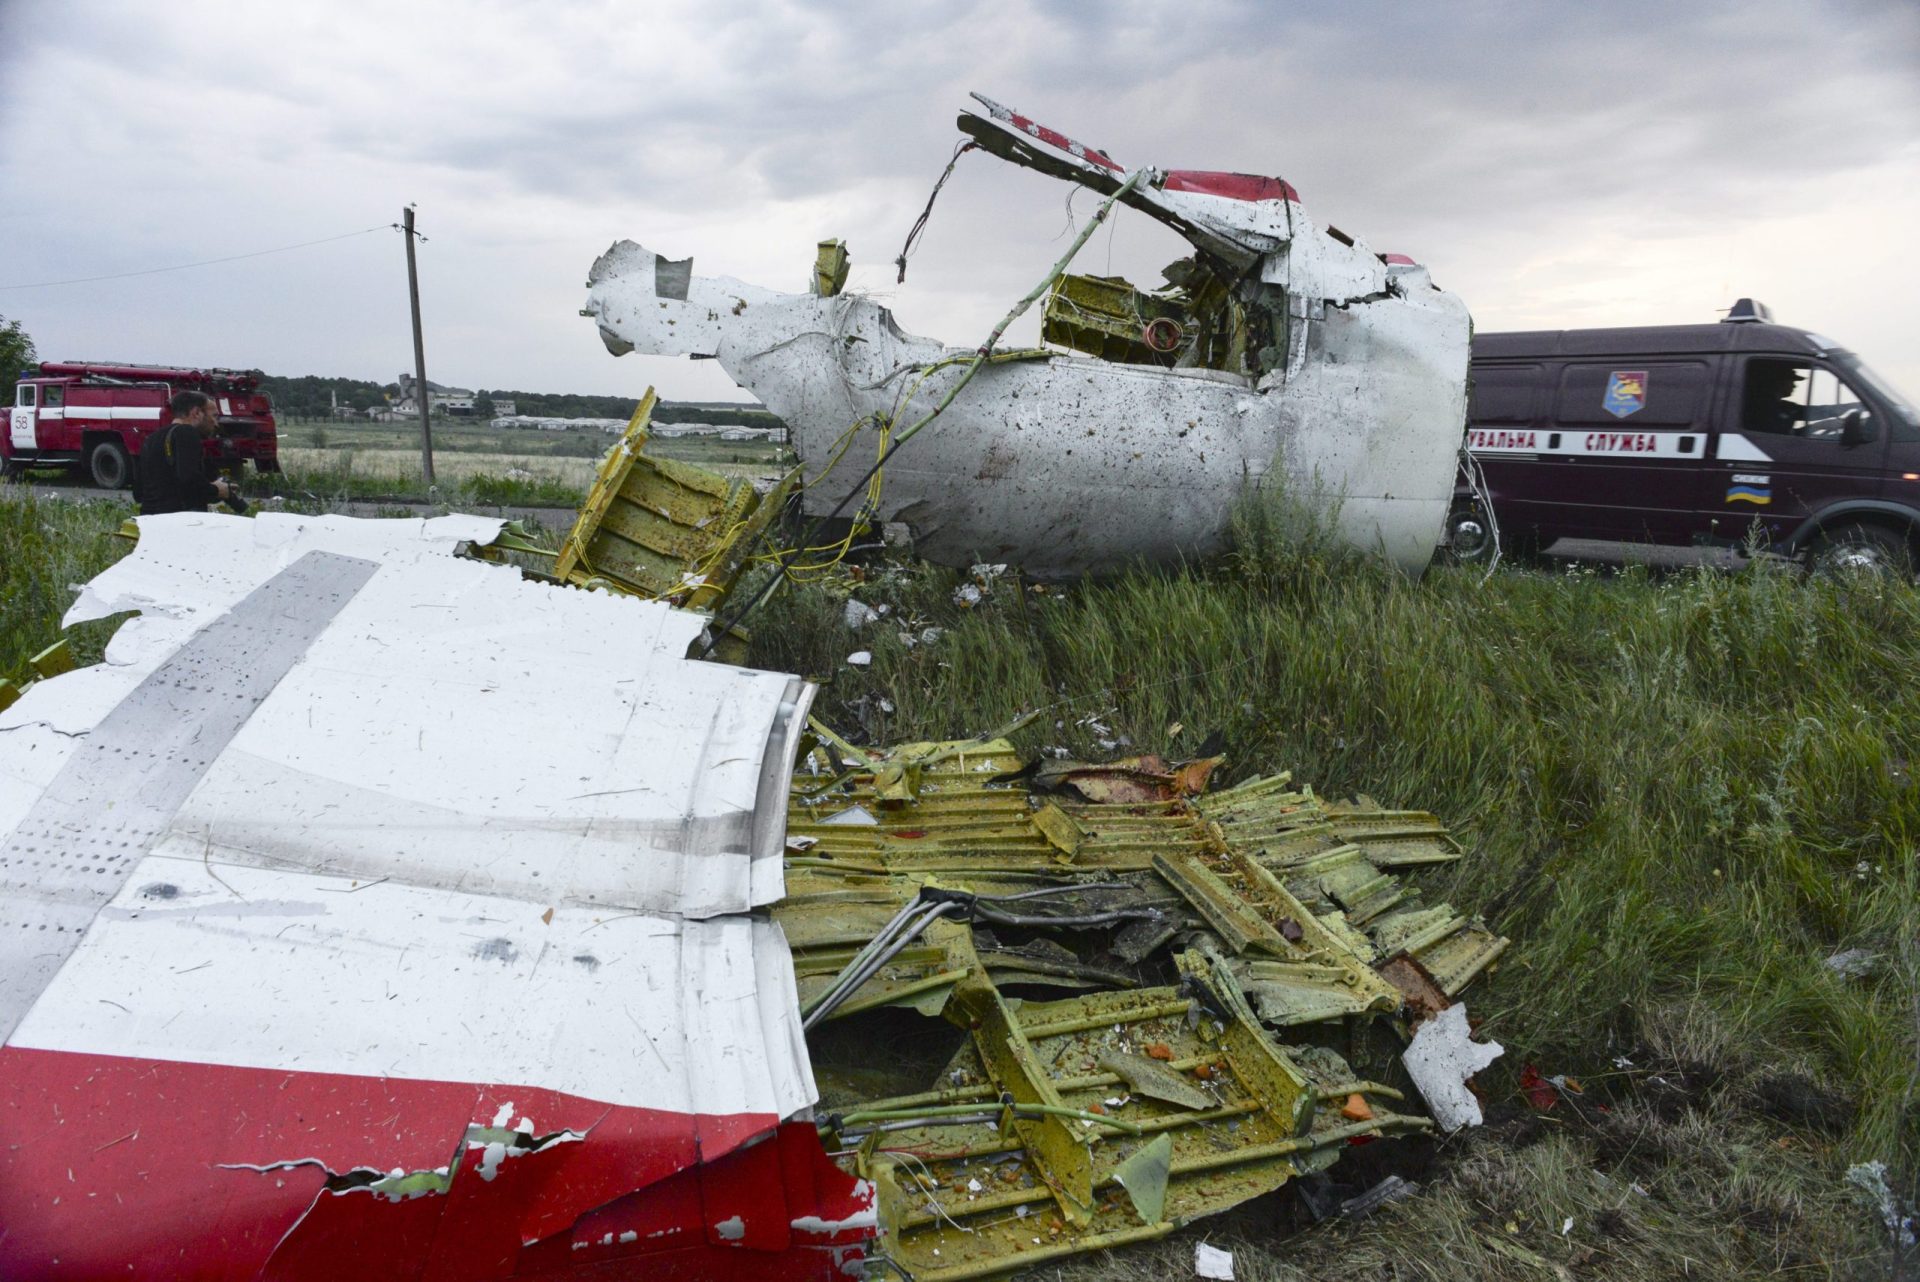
[[1463, 133]]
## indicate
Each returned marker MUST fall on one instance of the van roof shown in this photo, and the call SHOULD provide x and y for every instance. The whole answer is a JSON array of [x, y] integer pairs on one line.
[[1647, 340]]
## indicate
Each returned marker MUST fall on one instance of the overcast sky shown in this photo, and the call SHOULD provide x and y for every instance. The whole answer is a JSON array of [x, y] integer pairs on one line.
[[1554, 164]]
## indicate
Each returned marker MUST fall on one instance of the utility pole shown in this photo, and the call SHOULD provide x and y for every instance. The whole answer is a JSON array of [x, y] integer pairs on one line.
[[424, 401]]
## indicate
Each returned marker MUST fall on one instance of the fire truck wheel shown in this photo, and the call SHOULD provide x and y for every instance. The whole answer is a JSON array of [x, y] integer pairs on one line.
[[1853, 548], [111, 467]]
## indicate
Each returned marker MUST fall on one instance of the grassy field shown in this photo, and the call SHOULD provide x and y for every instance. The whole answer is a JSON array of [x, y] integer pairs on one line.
[[44, 548], [475, 463], [1684, 794]]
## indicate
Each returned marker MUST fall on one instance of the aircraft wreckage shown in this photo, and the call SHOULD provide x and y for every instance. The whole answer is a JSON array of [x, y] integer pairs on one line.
[[374, 911], [1280, 352]]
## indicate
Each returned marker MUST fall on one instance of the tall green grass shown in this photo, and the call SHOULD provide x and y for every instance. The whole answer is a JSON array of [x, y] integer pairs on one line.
[[45, 548], [1683, 793]]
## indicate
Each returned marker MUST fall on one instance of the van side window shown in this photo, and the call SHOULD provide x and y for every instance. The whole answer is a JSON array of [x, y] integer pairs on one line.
[[1633, 394], [1794, 398], [1503, 394]]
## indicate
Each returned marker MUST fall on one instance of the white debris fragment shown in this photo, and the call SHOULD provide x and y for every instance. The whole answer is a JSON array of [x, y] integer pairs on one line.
[[1441, 1059], [851, 815], [974, 1186], [1854, 963], [858, 614], [731, 1229], [1212, 1262], [986, 573], [802, 843], [967, 595], [860, 658], [1871, 1179]]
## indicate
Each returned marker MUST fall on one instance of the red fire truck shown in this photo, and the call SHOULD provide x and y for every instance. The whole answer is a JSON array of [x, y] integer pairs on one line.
[[96, 416]]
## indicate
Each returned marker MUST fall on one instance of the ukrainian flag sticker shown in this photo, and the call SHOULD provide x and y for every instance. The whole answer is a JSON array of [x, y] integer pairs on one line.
[[1750, 489]]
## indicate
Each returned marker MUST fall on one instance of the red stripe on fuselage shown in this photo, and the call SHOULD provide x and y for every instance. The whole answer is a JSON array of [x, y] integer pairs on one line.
[[127, 1167], [1208, 182], [1053, 137]]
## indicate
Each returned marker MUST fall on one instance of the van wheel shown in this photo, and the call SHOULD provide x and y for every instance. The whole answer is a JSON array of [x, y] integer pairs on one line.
[[1871, 549], [1469, 533], [111, 467]]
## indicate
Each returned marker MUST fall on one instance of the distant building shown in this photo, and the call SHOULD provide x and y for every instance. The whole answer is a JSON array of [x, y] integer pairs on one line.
[[454, 401], [504, 407], [543, 423]]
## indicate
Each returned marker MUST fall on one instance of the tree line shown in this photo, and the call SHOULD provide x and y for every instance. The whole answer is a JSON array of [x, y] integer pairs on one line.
[[314, 395]]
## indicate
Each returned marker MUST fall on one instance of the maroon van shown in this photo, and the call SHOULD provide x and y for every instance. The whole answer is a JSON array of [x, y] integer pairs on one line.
[[1740, 433]]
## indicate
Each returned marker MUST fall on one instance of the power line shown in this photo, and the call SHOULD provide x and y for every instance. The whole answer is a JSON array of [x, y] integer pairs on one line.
[[231, 258]]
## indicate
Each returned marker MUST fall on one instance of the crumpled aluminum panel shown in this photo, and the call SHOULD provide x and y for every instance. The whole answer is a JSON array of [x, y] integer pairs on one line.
[[431, 938]]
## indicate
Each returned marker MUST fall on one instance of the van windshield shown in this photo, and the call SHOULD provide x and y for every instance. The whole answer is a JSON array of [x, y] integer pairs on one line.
[[1899, 404]]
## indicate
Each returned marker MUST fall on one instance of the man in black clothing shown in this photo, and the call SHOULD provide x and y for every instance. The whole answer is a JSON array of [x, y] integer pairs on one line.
[[173, 462]]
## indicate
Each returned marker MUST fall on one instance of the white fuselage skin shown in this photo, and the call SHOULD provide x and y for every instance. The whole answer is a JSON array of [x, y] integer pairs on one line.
[[1068, 465]]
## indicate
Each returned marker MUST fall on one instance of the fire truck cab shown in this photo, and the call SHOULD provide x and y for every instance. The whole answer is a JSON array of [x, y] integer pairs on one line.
[[97, 416]]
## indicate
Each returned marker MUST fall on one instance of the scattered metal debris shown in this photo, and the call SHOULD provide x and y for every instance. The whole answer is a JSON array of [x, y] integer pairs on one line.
[[1391, 1189], [1871, 1179], [50, 662], [1441, 1060], [1280, 352], [1221, 959], [326, 961], [1211, 1262], [1853, 963]]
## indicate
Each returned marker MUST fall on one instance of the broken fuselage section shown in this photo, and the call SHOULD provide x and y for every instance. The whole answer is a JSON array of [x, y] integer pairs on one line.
[[1282, 355]]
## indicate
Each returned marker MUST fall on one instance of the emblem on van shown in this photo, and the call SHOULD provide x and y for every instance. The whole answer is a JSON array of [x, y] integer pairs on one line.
[[1626, 392]]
